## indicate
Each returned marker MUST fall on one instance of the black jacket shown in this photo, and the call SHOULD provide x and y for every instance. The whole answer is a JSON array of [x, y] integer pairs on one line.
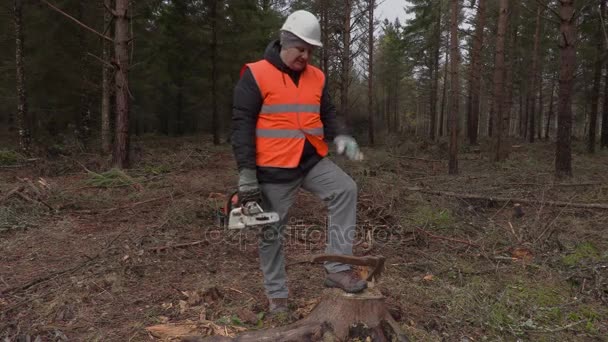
[[245, 110]]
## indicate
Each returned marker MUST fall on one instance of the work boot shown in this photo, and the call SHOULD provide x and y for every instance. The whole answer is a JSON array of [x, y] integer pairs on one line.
[[348, 280], [277, 305]]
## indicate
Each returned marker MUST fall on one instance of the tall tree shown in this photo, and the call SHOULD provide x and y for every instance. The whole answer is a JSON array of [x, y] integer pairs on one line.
[[597, 76], [106, 75], [345, 59], [567, 66], [535, 73], [475, 73], [455, 87], [122, 41], [500, 126], [215, 119], [436, 42], [550, 114], [510, 59], [83, 119], [370, 71], [604, 141], [445, 87], [22, 117]]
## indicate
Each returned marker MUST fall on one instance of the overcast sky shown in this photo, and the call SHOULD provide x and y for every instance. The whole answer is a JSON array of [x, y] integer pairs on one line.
[[391, 9]]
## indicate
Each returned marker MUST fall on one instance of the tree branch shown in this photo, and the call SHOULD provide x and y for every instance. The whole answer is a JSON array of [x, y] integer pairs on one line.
[[110, 10], [582, 9], [542, 16], [77, 21], [603, 25], [109, 65], [541, 3]]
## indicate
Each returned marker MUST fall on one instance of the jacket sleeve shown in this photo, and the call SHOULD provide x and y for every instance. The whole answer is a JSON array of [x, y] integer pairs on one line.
[[246, 107], [332, 125]]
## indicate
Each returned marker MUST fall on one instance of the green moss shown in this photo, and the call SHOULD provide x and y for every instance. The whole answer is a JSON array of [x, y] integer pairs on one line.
[[157, 169], [434, 217], [582, 251], [110, 179], [8, 158]]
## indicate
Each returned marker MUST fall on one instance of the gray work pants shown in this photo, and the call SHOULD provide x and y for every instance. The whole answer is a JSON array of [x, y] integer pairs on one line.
[[338, 190]]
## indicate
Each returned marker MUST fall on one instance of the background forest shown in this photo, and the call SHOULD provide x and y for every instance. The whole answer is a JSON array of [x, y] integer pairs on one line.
[[524, 70], [484, 124]]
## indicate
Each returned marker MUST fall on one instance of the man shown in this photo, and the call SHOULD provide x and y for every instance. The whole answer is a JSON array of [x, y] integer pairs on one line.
[[282, 118]]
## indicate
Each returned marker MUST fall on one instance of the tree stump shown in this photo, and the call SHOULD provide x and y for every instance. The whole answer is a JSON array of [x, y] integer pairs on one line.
[[339, 316]]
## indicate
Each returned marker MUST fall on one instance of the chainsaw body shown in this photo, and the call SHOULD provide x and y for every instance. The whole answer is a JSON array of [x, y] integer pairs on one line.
[[245, 215]]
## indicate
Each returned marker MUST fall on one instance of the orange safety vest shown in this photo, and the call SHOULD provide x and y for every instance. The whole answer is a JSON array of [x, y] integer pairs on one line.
[[289, 115]]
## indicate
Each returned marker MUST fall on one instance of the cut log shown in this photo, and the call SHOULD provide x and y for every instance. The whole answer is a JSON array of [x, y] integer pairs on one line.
[[338, 317]]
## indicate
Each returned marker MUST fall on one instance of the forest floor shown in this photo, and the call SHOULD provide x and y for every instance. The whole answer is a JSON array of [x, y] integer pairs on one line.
[[93, 254]]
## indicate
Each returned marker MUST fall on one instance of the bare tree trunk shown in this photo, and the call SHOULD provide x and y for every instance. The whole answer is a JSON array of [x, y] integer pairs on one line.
[[563, 150], [509, 60], [541, 108], [597, 76], [534, 73], [475, 73], [83, 121], [500, 137], [370, 77], [455, 87], [435, 76], [445, 87], [121, 47], [22, 117], [215, 121], [106, 74], [345, 74], [325, 36], [550, 114], [604, 142]]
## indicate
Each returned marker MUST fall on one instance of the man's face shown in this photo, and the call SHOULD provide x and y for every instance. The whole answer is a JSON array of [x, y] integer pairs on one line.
[[296, 57]]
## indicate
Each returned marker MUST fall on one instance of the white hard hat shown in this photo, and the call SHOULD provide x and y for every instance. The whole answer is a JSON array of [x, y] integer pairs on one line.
[[305, 26]]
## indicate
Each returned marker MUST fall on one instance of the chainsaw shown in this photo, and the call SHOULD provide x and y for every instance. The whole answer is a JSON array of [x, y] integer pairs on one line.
[[236, 215]]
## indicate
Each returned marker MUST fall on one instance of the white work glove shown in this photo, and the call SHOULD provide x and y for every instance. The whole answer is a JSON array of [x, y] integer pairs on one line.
[[348, 146]]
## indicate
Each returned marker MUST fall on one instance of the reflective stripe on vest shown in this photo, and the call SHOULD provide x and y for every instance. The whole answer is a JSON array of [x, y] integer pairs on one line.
[[291, 108], [289, 116]]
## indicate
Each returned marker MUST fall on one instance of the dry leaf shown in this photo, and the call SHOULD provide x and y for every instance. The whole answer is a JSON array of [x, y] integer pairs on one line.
[[167, 331], [183, 306], [216, 195], [247, 315], [194, 298], [429, 277], [522, 253], [202, 316]]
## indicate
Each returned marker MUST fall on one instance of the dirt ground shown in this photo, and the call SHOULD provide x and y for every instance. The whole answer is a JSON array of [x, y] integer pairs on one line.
[[93, 254]]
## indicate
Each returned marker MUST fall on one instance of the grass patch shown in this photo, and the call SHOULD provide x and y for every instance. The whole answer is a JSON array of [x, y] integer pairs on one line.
[[156, 170], [17, 217], [9, 158], [583, 251], [437, 218], [110, 179]]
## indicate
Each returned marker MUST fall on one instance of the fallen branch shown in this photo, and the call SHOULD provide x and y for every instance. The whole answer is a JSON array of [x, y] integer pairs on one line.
[[58, 273], [438, 237], [422, 159], [181, 245], [132, 205], [18, 192], [11, 193], [517, 200], [43, 279]]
